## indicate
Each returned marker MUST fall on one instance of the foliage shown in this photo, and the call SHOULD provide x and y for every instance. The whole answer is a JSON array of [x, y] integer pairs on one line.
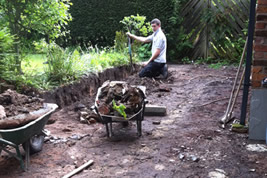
[[60, 64], [178, 40], [120, 41], [186, 60], [137, 25], [6, 40], [120, 109], [221, 31], [6, 58], [33, 19]]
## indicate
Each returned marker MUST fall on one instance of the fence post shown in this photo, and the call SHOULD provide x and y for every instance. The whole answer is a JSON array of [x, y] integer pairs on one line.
[[207, 35]]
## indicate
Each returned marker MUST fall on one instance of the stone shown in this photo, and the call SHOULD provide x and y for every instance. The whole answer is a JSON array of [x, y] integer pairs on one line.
[[256, 147], [2, 112], [159, 167], [79, 107], [84, 121], [155, 110], [194, 158], [92, 121], [156, 122], [218, 173], [181, 156]]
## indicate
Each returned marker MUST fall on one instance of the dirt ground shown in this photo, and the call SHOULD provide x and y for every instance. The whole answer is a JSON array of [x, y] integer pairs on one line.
[[188, 142]]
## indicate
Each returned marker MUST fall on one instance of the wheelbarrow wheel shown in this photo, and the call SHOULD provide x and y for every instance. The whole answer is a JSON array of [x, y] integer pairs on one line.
[[36, 144]]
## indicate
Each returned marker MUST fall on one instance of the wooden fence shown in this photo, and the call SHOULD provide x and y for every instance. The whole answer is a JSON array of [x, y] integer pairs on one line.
[[213, 25]]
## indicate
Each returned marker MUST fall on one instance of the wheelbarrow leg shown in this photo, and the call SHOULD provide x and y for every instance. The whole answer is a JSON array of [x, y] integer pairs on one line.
[[27, 154], [20, 158], [111, 132], [139, 127], [107, 129]]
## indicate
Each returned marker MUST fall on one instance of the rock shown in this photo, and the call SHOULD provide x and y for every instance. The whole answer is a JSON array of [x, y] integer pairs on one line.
[[2, 112], [83, 114], [159, 167], [218, 173], [181, 156], [76, 137], [156, 122], [194, 158], [84, 121], [252, 170], [171, 160], [104, 109], [92, 121], [163, 88], [23, 110], [79, 106], [257, 147]]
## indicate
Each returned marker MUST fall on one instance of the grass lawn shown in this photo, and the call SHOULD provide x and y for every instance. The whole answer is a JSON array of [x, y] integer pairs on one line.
[[34, 63]]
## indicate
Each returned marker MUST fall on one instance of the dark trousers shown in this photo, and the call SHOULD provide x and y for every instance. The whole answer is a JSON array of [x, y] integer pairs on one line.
[[152, 69]]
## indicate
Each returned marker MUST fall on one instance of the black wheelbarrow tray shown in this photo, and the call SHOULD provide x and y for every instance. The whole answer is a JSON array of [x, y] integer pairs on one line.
[[107, 120], [26, 134]]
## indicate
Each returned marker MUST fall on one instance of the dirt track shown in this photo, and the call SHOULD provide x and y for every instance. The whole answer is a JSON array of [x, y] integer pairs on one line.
[[189, 132]]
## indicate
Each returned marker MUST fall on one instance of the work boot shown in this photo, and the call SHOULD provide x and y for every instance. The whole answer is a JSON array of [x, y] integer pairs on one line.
[[164, 71]]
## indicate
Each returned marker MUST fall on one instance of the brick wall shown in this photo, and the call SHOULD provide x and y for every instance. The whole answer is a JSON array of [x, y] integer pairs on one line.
[[259, 68]]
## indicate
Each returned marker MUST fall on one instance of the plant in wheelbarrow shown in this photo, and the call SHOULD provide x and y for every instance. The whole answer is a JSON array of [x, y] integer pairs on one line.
[[120, 109]]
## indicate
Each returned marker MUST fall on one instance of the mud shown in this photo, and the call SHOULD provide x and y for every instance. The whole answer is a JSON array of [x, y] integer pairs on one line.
[[188, 142], [15, 103]]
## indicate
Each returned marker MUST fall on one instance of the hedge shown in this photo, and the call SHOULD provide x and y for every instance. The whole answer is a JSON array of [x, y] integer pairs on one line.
[[96, 21]]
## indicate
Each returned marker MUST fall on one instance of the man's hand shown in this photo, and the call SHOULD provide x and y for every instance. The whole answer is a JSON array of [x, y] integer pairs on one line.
[[129, 34], [145, 63]]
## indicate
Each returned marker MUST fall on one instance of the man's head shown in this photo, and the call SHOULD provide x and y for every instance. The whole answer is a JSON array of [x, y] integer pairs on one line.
[[155, 24]]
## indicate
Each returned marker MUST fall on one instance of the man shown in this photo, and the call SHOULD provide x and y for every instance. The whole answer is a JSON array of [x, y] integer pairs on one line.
[[156, 65]]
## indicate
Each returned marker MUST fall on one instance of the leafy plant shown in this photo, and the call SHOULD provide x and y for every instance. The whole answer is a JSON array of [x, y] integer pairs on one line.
[[186, 60], [60, 64], [137, 25], [120, 109]]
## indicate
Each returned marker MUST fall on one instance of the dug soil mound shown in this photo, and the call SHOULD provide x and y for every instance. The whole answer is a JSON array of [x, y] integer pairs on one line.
[[13, 105]]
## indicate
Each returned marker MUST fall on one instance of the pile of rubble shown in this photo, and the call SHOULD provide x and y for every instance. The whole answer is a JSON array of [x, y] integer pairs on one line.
[[13, 104], [119, 99]]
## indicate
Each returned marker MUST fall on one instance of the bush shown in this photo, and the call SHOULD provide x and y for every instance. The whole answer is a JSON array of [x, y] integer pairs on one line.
[[60, 64]]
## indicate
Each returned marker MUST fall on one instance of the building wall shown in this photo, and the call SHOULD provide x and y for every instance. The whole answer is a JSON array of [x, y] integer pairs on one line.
[[259, 68]]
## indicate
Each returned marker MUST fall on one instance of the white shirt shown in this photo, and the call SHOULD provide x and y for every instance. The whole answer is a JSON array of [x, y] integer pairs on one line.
[[159, 41]]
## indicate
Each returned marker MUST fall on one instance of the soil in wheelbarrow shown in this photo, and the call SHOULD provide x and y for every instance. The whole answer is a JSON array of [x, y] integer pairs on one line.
[[13, 104], [187, 143]]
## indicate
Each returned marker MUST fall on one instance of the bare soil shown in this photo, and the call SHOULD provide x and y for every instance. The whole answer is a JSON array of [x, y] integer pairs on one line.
[[188, 142], [15, 103]]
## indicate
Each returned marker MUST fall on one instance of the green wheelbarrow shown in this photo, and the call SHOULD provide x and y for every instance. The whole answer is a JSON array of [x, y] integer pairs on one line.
[[31, 136]]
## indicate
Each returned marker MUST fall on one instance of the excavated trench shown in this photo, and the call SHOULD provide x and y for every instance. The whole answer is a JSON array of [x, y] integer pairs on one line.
[[86, 87]]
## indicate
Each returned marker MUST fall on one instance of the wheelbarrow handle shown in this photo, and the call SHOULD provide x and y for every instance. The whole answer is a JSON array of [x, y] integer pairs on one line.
[[94, 108]]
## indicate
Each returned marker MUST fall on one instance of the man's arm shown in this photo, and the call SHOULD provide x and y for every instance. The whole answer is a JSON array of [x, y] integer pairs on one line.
[[154, 56], [138, 38]]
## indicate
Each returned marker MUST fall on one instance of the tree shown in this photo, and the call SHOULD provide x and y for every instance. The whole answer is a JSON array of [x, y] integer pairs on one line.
[[27, 19]]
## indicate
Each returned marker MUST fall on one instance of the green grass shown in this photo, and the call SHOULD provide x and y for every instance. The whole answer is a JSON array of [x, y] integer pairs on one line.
[[33, 63]]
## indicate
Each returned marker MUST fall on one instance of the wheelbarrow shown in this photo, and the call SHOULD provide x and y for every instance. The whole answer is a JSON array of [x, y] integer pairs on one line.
[[107, 120], [31, 136]]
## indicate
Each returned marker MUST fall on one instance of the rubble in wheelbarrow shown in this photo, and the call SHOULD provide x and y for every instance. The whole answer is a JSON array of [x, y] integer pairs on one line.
[[13, 104], [119, 99]]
